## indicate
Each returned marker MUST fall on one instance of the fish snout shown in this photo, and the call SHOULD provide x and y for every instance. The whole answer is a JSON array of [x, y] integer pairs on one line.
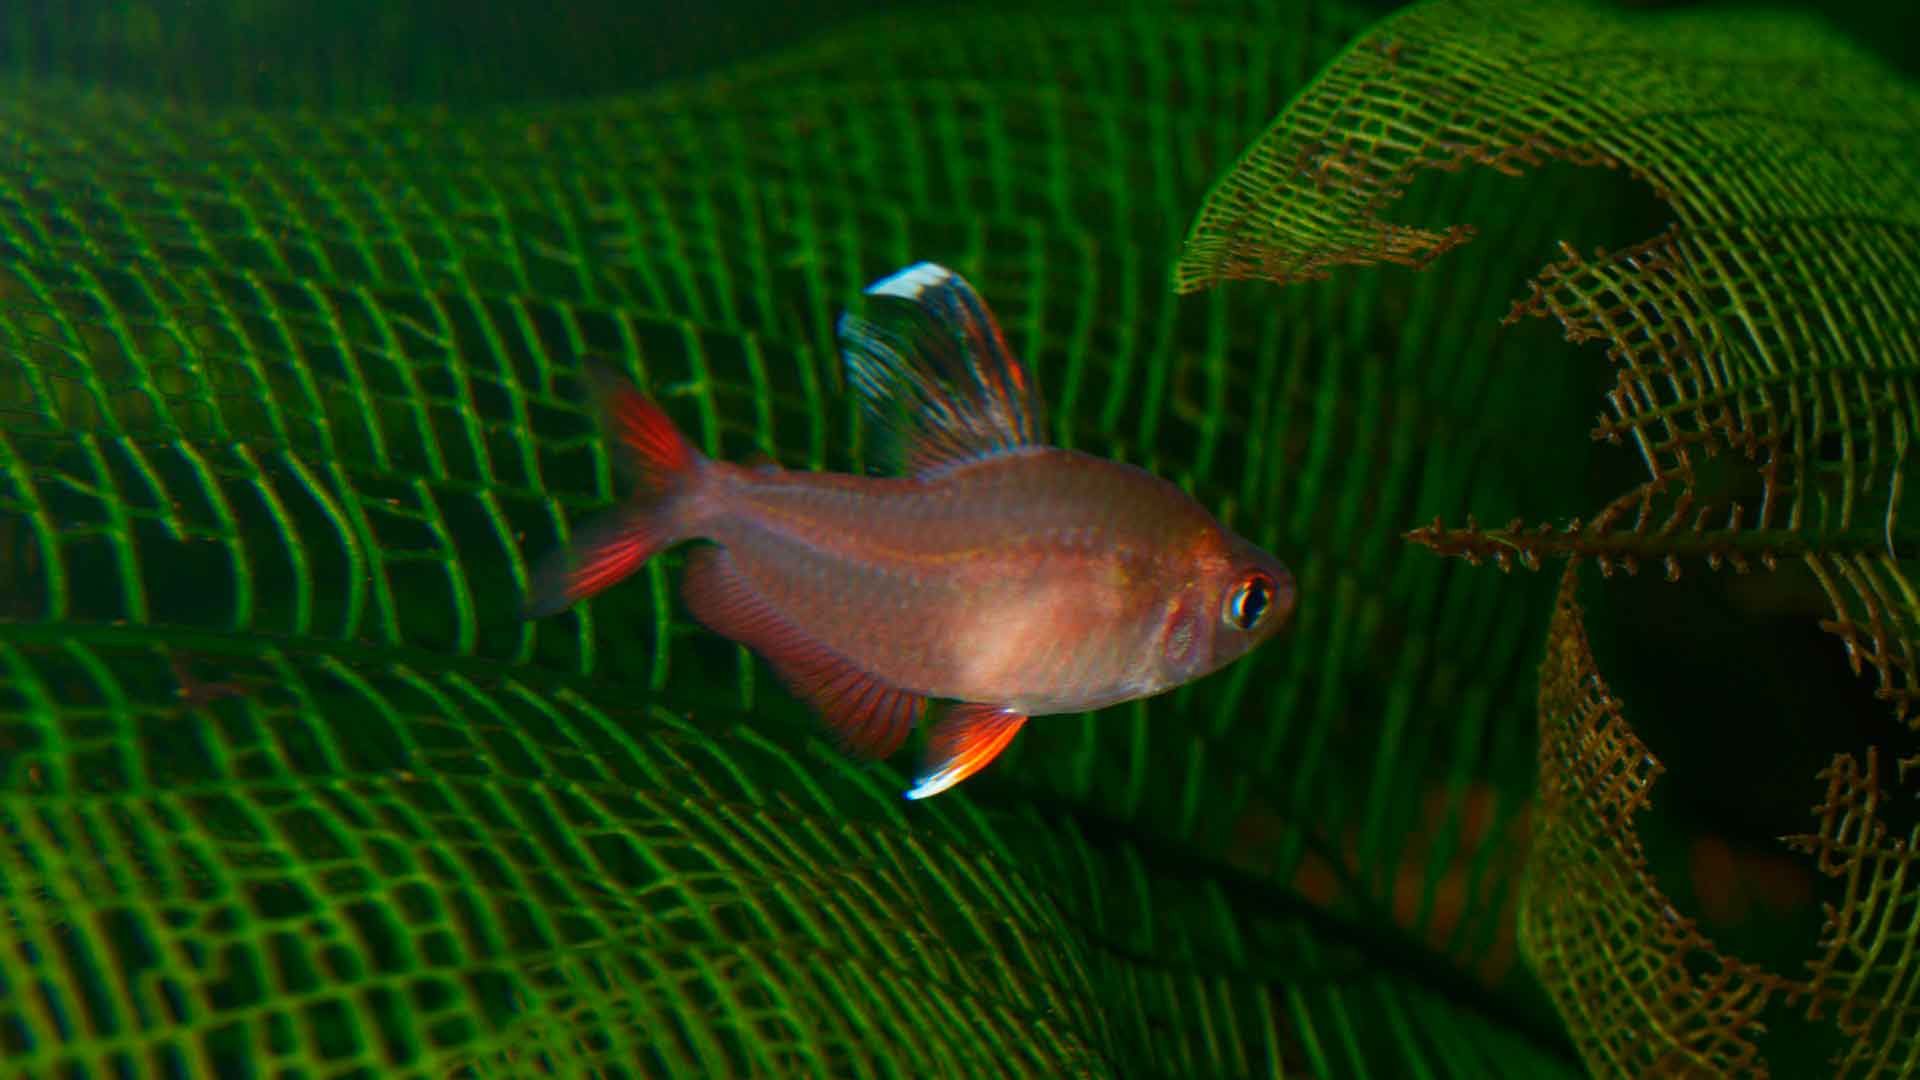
[[1285, 595]]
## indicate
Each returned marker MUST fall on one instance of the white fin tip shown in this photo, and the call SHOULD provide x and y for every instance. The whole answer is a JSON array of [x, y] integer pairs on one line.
[[909, 283], [935, 784]]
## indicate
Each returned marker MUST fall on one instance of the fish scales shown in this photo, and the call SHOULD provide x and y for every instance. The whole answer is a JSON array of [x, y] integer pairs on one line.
[[1010, 577], [943, 586]]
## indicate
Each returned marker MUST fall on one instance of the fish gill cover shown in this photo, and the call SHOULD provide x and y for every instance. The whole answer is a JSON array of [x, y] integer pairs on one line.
[[287, 398]]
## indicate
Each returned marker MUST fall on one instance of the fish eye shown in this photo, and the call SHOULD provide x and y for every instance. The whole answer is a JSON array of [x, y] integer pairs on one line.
[[1248, 603]]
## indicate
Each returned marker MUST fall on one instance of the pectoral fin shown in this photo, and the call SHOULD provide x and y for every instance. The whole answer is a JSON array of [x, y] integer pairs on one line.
[[962, 743]]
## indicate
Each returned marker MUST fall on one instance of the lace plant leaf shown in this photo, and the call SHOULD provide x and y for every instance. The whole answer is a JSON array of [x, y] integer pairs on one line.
[[1864, 974], [1765, 345], [1643, 989], [1775, 322], [287, 401], [406, 867]]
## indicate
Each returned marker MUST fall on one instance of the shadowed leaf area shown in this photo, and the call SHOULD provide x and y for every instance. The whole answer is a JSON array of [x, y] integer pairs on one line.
[[289, 401], [1764, 348]]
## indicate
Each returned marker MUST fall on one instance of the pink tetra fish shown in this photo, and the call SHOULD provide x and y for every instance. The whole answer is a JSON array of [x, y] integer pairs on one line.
[[1015, 578]]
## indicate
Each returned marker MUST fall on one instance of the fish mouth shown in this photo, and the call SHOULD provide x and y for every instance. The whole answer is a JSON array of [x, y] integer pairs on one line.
[[1286, 595]]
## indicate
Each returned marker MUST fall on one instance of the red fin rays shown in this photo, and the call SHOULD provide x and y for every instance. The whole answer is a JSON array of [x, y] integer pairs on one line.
[[962, 743], [936, 372], [868, 717], [605, 551], [659, 455], [612, 547]]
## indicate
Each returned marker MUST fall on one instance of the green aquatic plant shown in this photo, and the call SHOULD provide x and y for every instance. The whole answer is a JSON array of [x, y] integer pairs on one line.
[[1766, 350], [292, 400], [289, 400]]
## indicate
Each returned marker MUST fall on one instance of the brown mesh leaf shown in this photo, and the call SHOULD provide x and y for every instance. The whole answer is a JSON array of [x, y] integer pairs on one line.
[[1765, 348], [1875, 616], [1643, 989], [1865, 965], [1766, 343]]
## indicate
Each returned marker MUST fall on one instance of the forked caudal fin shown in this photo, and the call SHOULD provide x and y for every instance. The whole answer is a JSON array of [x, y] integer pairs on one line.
[[609, 548]]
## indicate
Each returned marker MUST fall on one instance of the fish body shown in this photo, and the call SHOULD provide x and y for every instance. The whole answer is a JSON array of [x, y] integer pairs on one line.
[[1041, 580], [1013, 577]]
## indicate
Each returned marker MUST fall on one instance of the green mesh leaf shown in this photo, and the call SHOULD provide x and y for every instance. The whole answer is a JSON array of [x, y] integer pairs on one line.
[[1765, 349], [1773, 319], [284, 780], [1643, 988]]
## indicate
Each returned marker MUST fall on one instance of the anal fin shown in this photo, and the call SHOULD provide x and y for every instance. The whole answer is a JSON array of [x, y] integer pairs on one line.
[[869, 718], [962, 743]]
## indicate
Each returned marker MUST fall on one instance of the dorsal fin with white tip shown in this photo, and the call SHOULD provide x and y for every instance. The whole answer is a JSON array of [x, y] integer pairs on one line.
[[936, 373]]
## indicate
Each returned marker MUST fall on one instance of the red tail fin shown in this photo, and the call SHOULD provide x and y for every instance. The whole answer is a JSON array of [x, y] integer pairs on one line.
[[659, 455], [611, 548]]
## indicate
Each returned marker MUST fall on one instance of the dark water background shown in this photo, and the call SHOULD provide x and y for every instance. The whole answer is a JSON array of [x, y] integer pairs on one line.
[[368, 52]]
